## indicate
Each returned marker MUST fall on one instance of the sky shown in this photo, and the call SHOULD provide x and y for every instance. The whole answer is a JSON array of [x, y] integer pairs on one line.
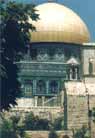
[[84, 8]]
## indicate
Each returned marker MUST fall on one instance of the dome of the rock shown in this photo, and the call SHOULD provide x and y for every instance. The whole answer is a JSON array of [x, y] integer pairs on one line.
[[58, 23]]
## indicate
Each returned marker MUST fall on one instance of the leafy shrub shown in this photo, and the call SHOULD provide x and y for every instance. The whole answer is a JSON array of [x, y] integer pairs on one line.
[[53, 134], [7, 130], [58, 124], [42, 124], [32, 122], [29, 121], [82, 133], [93, 114], [10, 128]]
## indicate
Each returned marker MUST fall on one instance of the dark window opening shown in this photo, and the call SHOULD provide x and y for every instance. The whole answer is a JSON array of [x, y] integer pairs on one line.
[[34, 54], [28, 90], [53, 87], [90, 68], [41, 87], [73, 73]]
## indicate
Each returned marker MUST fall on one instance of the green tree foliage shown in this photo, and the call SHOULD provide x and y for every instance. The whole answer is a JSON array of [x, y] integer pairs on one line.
[[7, 131], [9, 127], [82, 133], [15, 37], [93, 114]]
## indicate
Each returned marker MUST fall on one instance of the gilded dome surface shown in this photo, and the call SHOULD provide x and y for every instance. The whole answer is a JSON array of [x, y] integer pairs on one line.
[[58, 23]]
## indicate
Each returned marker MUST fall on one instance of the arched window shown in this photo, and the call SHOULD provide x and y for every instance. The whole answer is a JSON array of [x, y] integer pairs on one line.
[[28, 89], [90, 66], [41, 87], [53, 86], [73, 73]]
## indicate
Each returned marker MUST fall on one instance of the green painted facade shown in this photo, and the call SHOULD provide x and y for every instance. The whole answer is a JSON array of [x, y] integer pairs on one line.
[[44, 68]]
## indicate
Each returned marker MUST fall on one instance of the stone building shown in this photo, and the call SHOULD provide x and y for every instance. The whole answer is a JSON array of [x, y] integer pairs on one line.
[[58, 73]]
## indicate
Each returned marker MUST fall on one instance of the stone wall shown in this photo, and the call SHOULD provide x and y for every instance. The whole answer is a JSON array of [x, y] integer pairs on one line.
[[42, 111], [44, 134], [88, 53], [77, 111]]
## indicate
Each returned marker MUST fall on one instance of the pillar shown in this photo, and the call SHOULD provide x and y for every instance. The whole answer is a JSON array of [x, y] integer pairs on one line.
[[34, 86], [76, 73], [47, 87], [70, 73], [62, 98], [43, 100], [36, 100]]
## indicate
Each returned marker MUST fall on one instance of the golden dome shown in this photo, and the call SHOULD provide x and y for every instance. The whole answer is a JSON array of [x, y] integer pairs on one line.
[[57, 23]]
